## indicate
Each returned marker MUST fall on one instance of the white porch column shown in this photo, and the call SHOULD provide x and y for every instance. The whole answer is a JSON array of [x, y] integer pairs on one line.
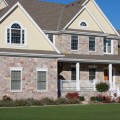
[[77, 76], [110, 75]]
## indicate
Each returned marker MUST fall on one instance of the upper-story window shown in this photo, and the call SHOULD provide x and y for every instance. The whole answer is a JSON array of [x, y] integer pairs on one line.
[[83, 24], [15, 34], [91, 43], [107, 46], [51, 37], [74, 42]]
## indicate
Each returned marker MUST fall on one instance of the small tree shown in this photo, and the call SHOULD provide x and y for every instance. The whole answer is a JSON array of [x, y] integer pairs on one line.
[[102, 87]]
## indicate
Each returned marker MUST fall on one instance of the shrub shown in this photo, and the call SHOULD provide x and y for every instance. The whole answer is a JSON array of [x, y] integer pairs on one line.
[[99, 98], [107, 99], [73, 101], [47, 101], [93, 98], [60, 101], [102, 87], [6, 98], [82, 98], [72, 96]]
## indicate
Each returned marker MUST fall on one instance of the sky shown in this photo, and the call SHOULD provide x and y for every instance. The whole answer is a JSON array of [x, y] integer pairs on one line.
[[111, 9]]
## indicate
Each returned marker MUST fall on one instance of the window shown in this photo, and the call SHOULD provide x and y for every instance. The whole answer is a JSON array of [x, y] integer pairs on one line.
[[51, 37], [74, 42], [92, 74], [16, 80], [83, 24], [15, 34], [73, 73], [91, 43], [41, 80], [107, 46]]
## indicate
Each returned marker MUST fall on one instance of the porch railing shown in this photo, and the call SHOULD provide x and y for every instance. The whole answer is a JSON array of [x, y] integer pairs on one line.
[[70, 85]]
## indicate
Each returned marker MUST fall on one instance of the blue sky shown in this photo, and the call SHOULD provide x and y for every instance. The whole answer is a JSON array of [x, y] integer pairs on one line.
[[111, 8]]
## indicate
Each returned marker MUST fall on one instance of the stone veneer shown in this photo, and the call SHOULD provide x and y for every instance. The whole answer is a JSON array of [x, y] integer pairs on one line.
[[63, 43], [29, 76]]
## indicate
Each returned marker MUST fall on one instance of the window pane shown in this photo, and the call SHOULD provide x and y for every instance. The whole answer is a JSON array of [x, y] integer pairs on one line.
[[15, 80], [41, 80], [23, 37], [92, 72], [107, 46], [8, 35], [73, 73], [15, 36], [50, 36], [92, 44], [74, 42]]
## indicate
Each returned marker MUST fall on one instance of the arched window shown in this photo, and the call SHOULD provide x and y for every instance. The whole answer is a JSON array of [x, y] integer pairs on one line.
[[83, 24], [15, 34]]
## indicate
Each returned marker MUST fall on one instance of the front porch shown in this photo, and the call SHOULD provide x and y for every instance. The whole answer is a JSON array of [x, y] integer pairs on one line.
[[86, 75]]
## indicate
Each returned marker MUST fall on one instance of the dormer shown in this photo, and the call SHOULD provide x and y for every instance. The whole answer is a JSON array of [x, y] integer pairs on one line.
[[3, 4]]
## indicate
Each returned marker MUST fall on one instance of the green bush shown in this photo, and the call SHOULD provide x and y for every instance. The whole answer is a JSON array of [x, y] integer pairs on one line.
[[82, 98], [93, 98], [60, 101], [47, 101], [102, 87]]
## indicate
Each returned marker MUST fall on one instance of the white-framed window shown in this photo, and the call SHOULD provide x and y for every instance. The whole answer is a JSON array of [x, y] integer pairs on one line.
[[83, 24], [92, 74], [73, 73], [16, 79], [51, 37], [74, 42], [16, 34], [92, 44], [42, 79], [108, 46]]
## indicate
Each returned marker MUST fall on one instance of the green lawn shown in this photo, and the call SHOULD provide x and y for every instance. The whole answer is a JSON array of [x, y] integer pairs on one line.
[[79, 112]]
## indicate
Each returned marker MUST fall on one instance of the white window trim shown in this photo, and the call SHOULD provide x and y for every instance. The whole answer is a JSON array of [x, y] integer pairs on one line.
[[13, 44], [95, 45], [53, 38], [71, 41], [95, 67], [106, 53], [83, 27], [16, 69], [46, 70]]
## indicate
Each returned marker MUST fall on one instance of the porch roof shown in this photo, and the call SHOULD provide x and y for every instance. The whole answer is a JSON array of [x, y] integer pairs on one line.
[[114, 59]]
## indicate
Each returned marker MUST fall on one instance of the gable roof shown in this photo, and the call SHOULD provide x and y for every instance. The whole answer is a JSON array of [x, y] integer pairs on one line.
[[58, 15]]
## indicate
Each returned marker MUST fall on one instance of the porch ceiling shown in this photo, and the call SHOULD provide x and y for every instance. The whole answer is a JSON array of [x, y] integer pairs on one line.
[[114, 59]]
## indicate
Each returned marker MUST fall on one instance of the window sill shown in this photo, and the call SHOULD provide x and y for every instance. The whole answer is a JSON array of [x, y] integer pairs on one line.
[[16, 91], [74, 50], [41, 90], [92, 51], [108, 53], [15, 45]]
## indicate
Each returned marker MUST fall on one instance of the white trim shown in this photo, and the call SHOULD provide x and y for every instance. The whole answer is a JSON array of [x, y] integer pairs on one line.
[[85, 2], [30, 54], [95, 19], [88, 60], [31, 19], [16, 69], [70, 43], [74, 18], [44, 70], [105, 17]]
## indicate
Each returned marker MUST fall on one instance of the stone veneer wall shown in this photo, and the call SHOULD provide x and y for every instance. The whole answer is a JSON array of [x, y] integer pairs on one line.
[[63, 43], [29, 76]]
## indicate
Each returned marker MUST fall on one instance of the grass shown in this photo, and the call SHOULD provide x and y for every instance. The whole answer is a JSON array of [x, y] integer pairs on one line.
[[78, 112]]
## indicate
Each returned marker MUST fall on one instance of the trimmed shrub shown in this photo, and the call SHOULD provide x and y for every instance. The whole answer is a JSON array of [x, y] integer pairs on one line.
[[47, 101], [102, 87], [73, 101], [82, 98], [107, 99], [72, 96], [99, 98], [6, 98], [60, 101], [93, 98]]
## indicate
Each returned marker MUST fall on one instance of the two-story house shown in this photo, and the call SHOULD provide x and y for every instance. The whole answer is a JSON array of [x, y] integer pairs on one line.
[[49, 49]]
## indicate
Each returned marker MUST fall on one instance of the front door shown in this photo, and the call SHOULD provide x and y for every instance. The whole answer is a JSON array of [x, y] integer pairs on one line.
[[106, 75]]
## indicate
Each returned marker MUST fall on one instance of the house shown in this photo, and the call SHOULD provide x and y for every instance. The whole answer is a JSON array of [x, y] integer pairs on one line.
[[49, 49]]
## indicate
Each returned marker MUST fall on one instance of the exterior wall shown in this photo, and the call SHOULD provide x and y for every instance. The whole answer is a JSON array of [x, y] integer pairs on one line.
[[2, 4], [29, 76], [92, 25], [63, 43], [34, 39]]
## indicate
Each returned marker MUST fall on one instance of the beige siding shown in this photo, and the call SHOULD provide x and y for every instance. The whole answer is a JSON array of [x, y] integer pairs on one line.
[[34, 39], [100, 18], [92, 25], [2, 4]]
